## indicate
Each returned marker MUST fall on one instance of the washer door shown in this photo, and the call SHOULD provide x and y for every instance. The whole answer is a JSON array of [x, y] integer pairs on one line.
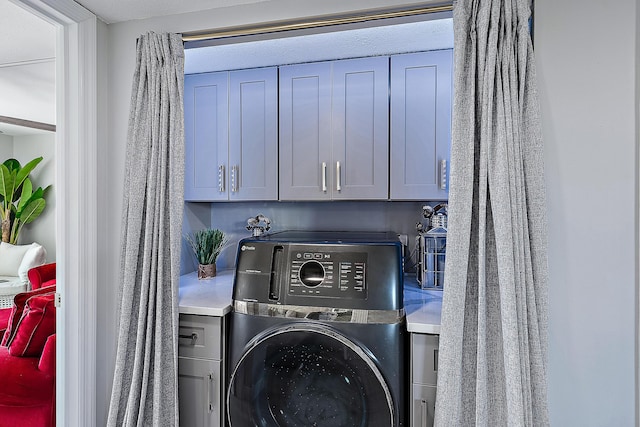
[[307, 375]]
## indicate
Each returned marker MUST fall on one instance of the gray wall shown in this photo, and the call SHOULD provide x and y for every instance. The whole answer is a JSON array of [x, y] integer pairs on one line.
[[585, 55], [399, 217]]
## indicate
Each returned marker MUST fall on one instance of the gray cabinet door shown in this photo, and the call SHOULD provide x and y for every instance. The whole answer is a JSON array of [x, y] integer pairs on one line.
[[424, 376], [199, 385], [423, 405], [206, 135], [305, 131], [360, 124], [420, 125], [253, 134]]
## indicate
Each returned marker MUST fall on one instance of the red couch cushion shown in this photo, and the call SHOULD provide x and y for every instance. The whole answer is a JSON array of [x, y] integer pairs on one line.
[[42, 275], [19, 302], [38, 321], [5, 313], [27, 395]]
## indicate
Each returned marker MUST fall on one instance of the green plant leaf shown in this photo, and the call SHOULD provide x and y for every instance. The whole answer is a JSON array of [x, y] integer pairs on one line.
[[25, 194], [38, 194], [7, 182], [12, 164], [31, 211], [24, 172]]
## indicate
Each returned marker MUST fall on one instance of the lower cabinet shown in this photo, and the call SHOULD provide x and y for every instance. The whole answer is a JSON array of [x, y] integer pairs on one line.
[[424, 375], [201, 375]]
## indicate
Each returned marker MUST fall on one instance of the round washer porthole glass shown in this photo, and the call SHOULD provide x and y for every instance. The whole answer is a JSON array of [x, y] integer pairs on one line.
[[311, 273], [298, 378]]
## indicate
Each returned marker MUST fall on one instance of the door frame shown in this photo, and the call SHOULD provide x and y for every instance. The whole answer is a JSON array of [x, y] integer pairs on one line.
[[76, 215]]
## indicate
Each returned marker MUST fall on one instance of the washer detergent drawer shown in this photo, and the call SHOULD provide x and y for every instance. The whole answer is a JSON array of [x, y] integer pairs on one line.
[[200, 337]]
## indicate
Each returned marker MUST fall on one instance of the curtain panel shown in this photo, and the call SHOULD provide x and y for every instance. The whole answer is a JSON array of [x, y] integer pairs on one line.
[[493, 341], [145, 381]]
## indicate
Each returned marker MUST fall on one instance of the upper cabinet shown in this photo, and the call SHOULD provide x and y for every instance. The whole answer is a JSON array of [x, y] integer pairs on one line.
[[206, 130], [374, 128], [334, 140], [421, 89], [231, 135]]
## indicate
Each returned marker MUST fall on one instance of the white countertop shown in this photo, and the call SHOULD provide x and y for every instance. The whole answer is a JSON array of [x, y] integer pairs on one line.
[[422, 307], [212, 297], [209, 297]]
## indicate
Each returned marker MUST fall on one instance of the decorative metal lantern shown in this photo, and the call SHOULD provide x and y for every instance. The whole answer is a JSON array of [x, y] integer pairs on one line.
[[432, 248], [433, 258]]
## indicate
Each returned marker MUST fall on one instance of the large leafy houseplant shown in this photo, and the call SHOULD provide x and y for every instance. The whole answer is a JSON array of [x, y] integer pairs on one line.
[[20, 204]]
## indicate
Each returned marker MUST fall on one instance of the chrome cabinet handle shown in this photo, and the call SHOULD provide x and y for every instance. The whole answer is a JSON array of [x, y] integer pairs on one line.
[[443, 174], [423, 412], [221, 178], [324, 177], [234, 179], [338, 186], [209, 392]]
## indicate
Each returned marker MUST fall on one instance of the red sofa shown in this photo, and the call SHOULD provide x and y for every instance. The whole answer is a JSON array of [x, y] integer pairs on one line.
[[27, 395]]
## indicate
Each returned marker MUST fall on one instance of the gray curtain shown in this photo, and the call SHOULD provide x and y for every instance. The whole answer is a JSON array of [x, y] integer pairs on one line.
[[493, 344], [145, 381]]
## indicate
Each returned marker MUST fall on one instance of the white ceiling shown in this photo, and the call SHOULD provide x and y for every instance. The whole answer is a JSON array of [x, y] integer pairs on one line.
[[111, 11]]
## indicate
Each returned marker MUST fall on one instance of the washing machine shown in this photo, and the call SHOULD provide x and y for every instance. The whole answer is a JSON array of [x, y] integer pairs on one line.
[[317, 334]]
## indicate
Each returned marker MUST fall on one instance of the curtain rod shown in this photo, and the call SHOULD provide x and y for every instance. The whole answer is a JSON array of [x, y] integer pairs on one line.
[[273, 27]]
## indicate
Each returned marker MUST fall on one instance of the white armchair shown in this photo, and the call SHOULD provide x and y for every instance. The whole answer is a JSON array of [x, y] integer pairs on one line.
[[15, 262]]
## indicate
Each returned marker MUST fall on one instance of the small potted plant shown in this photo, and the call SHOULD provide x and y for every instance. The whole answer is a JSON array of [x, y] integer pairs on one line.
[[207, 245]]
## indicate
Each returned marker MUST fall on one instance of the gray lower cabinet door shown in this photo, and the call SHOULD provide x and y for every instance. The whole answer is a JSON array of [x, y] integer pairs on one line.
[[305, 131], [199, 392], [253, 134], [421, 87], [360, 125], [423, 404], [206, 136]]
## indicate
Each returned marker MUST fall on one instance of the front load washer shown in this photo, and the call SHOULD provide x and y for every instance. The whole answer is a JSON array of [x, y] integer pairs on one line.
[[317, 334]]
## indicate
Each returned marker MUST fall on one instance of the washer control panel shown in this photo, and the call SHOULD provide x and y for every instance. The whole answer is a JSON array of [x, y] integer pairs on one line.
[[326, 273]]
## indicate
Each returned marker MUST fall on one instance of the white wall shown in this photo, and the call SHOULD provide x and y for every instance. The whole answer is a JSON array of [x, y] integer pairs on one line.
[[586, 56], [6, 147], [586, 62]]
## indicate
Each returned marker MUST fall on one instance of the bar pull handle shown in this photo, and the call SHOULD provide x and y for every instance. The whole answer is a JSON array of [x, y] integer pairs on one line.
[[443, 174], [324, 177], [234, 178], [209, 385], [423, 412], [338, 186], [193, 337], [221, 178]]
